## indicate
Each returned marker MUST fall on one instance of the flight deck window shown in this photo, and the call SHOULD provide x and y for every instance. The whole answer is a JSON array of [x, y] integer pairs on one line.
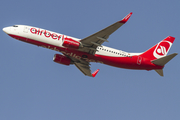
[[15, 26]]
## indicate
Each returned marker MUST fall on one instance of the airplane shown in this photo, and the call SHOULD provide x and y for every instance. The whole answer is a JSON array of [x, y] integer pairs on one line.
[[81, 52]]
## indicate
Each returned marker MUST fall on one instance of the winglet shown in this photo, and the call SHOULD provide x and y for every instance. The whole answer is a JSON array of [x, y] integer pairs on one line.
[[95, 72], [125, 19]]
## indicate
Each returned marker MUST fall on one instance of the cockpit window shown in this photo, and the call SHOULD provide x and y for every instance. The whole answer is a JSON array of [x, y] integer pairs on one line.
[[15, 26]]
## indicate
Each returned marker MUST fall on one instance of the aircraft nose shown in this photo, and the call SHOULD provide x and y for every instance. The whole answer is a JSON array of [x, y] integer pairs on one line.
[[6, 29]]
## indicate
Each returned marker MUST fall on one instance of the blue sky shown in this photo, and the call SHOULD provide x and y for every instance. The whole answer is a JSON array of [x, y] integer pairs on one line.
[[33, 87]]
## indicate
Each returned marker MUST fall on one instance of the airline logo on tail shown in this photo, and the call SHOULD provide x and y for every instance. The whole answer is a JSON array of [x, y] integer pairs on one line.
[[162, 49]]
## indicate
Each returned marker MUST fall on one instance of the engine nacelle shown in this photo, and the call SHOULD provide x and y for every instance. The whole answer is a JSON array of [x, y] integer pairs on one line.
[[61, 59], [70, 43]]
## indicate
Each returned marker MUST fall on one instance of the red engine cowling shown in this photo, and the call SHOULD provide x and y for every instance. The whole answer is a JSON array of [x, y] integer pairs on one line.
[[61, 59], [70, 43]]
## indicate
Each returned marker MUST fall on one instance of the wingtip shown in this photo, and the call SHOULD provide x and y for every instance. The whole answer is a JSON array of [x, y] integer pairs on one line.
[[125, 19], [95, 73]]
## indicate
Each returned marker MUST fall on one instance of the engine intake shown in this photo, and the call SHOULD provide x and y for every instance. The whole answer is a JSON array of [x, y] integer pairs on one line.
[[61, 59], [70, 43]]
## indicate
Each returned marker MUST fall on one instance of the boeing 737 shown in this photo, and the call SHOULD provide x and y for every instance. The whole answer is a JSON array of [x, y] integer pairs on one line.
[[81, 52]]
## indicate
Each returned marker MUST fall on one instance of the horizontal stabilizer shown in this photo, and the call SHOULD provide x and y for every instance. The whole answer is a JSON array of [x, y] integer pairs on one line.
[[160, 72], [162, 61]]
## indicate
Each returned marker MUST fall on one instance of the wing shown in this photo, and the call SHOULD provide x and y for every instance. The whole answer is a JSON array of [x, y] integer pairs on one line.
[[85, 69], [83, 66], [91, 42]]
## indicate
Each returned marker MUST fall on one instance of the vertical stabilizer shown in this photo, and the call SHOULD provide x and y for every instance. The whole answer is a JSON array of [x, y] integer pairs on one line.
[[159, 50]]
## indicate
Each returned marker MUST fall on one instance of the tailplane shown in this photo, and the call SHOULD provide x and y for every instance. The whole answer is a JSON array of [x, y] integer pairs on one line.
[[160, 72], [162, 61]]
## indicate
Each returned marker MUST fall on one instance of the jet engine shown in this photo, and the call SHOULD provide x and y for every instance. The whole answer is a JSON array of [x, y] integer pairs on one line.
[[61, 59], [70, 43]]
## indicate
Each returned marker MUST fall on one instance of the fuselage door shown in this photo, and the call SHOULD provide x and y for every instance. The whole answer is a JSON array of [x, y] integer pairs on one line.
[[25, 29], [139, 60]]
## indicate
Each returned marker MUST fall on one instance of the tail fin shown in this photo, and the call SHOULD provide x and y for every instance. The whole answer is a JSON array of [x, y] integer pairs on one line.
[[162, 61], [157, 54], [159, 50]]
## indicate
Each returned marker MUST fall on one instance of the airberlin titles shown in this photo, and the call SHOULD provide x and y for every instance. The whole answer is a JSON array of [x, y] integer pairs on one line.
[[67, 42], [46, 33]]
